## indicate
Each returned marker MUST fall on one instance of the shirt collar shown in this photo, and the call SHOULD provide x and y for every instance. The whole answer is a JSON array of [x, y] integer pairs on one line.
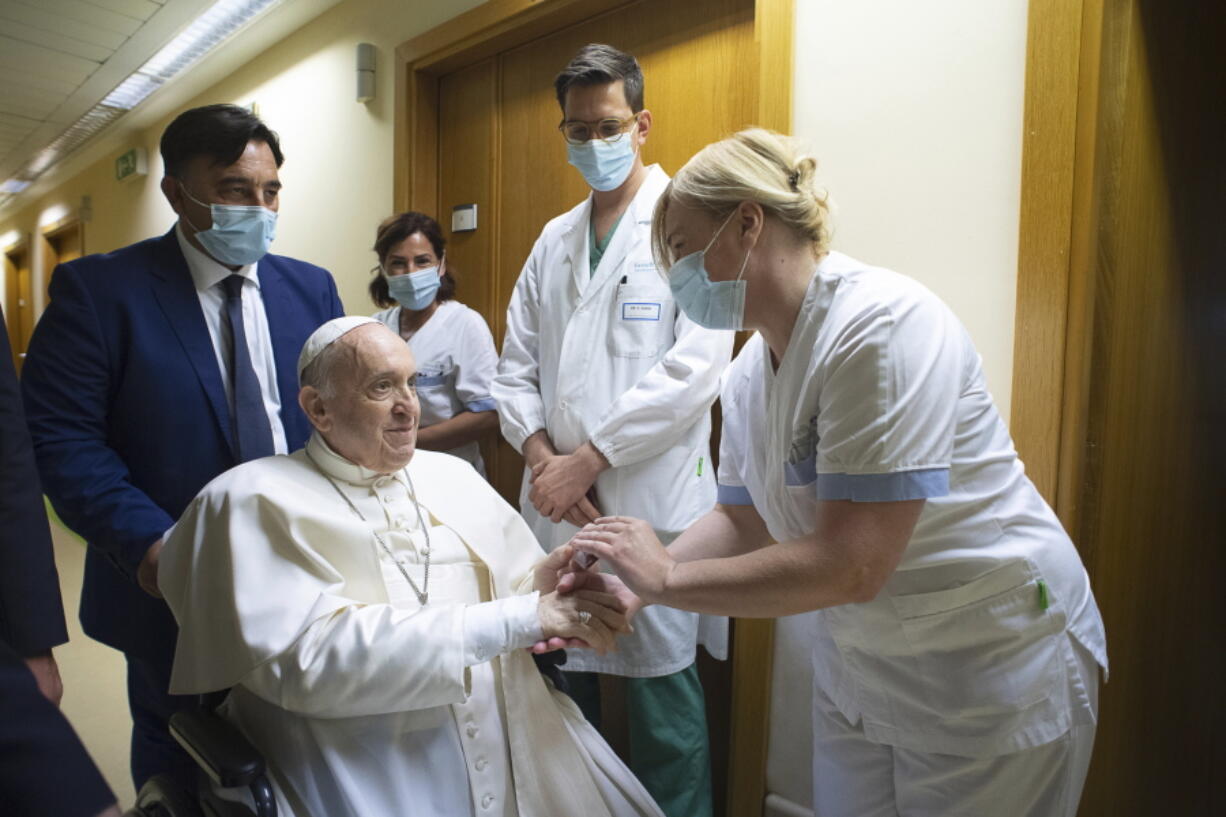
[[206, 272], [337, 467]]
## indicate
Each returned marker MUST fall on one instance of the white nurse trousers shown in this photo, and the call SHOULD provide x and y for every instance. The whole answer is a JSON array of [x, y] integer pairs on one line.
[[854, 777]]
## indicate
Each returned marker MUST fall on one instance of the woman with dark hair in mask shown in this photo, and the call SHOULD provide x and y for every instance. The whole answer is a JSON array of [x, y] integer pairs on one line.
[[451, 343]]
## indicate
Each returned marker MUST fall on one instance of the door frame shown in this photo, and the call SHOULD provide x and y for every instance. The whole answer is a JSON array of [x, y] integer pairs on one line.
[[50, 259], [497, 26], [13, 318], [1056, 245]]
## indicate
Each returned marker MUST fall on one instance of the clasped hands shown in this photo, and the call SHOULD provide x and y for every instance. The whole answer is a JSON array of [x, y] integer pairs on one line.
[[562, 483], [631, 547], [580, 607]]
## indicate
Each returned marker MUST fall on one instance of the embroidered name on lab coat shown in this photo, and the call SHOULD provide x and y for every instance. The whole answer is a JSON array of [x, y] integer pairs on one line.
[[640, 311]]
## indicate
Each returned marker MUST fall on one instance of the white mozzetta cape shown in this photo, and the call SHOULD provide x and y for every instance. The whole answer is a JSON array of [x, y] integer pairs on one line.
[[267, 550]]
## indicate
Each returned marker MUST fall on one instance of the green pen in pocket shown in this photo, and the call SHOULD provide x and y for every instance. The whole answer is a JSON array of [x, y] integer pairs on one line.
[[1042, 594], [700, 459]]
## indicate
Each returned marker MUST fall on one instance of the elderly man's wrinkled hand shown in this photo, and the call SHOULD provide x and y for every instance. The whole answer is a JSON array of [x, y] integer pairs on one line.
[[550, 570], [590, 616], [606, 583]]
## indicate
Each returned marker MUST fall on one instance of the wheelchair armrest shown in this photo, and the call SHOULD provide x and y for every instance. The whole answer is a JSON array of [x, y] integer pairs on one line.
[[224, 754]]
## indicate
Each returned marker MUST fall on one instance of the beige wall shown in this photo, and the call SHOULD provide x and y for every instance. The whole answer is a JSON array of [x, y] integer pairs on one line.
[[338, 168], [914, 111]]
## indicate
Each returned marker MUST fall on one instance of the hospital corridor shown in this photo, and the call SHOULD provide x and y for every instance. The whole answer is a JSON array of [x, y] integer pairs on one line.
[[612, 408]]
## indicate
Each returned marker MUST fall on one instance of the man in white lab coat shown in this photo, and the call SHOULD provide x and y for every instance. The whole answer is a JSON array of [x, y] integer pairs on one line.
[[606, 388]]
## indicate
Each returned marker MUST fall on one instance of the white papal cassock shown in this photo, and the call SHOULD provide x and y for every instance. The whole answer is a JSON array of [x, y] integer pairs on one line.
[[363, 701]]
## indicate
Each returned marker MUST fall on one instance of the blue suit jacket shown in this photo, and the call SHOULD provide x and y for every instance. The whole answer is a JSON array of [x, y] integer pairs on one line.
[[31, 613], [129, 417]]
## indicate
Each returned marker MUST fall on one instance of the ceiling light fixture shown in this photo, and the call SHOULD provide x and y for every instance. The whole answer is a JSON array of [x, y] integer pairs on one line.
[[214, 26]]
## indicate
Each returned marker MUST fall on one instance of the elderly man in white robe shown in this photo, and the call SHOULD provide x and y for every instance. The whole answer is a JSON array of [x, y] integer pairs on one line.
[[371, 608]]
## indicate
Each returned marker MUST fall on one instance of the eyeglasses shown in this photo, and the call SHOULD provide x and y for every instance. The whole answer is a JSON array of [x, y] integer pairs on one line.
[[612, 129]]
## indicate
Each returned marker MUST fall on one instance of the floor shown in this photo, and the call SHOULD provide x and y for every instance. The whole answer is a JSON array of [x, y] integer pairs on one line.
[[95, 693]]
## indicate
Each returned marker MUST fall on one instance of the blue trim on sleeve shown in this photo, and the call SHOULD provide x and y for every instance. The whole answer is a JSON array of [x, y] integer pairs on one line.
[[927, 483], [800, 473], [732, 495], [484, 404]]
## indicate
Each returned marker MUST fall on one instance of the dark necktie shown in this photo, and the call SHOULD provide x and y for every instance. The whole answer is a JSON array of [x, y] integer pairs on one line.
[[252, 433]]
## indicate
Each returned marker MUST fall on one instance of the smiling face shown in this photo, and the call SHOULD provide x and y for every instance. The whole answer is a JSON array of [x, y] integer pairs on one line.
[[369, 413], [411, 255]]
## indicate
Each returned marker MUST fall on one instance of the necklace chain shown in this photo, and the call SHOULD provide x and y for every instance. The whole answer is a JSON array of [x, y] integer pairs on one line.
[[422, 593]]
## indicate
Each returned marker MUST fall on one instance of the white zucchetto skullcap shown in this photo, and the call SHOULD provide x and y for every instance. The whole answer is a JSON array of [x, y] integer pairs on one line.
[[325, 336]]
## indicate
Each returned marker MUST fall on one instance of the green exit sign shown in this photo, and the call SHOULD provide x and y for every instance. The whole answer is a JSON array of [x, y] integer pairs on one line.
[[131, 164]]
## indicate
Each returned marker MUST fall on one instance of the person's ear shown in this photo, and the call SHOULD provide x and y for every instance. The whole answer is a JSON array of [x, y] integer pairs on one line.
[[173, 192], [751, 218], [313, 407], [643, 127]]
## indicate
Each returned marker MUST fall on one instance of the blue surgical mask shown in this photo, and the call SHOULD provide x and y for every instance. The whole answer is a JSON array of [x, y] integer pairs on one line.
[[710, 304], [415, 290], [604, 165], [240, 234]]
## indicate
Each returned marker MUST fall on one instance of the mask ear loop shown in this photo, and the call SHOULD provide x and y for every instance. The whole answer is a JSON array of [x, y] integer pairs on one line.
[[711, 243], [744, 263], [197, 201]]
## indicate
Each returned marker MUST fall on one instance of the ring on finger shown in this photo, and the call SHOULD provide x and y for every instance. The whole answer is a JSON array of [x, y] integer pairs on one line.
[[584, 616]]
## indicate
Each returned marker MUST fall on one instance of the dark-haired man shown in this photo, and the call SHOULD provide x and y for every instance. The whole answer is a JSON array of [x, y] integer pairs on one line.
[[160, 365], [606, 388]]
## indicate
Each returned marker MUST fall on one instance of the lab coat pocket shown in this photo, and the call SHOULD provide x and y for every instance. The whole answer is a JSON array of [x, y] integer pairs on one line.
[[642, 321], [435, 390], [987, 651]]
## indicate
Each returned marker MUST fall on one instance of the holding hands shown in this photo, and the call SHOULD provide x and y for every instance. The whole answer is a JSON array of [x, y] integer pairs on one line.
[[580, 607], [632, 548]]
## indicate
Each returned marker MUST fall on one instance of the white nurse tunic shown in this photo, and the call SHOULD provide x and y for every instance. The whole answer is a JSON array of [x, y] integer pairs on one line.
[[880, 396]]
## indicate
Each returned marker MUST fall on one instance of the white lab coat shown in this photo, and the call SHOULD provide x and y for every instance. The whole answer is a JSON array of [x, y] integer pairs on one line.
[[614, 361], [880, 396]]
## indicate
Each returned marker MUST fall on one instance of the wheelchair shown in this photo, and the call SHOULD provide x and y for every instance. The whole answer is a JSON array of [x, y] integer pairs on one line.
[[225, 758]]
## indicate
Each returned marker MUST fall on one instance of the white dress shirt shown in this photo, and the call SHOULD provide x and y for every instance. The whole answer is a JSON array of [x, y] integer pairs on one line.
[[208, 275]]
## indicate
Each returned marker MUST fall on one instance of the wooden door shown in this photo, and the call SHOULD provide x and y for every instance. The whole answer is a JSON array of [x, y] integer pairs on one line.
[[1121, 341], [61, 244], [499, 147], [19, 314], [476, 124]]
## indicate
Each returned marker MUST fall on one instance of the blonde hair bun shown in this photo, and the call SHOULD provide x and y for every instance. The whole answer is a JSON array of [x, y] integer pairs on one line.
[[759, 165]]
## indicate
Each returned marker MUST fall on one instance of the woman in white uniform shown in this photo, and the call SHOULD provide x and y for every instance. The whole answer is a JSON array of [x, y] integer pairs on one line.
[[451, 343], [864, 472]]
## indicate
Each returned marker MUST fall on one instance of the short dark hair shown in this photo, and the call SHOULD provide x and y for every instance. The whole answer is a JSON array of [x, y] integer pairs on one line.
[[599, 64], [220, 132], [396, 229]]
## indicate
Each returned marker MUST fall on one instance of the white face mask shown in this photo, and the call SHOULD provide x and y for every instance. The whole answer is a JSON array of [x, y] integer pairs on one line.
[[240, 234], [710, 304], [605, 166], [414, 290]]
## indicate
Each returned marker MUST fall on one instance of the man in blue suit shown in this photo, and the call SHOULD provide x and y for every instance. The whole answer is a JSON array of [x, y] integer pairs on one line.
[[157, 367], [45, 769]]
